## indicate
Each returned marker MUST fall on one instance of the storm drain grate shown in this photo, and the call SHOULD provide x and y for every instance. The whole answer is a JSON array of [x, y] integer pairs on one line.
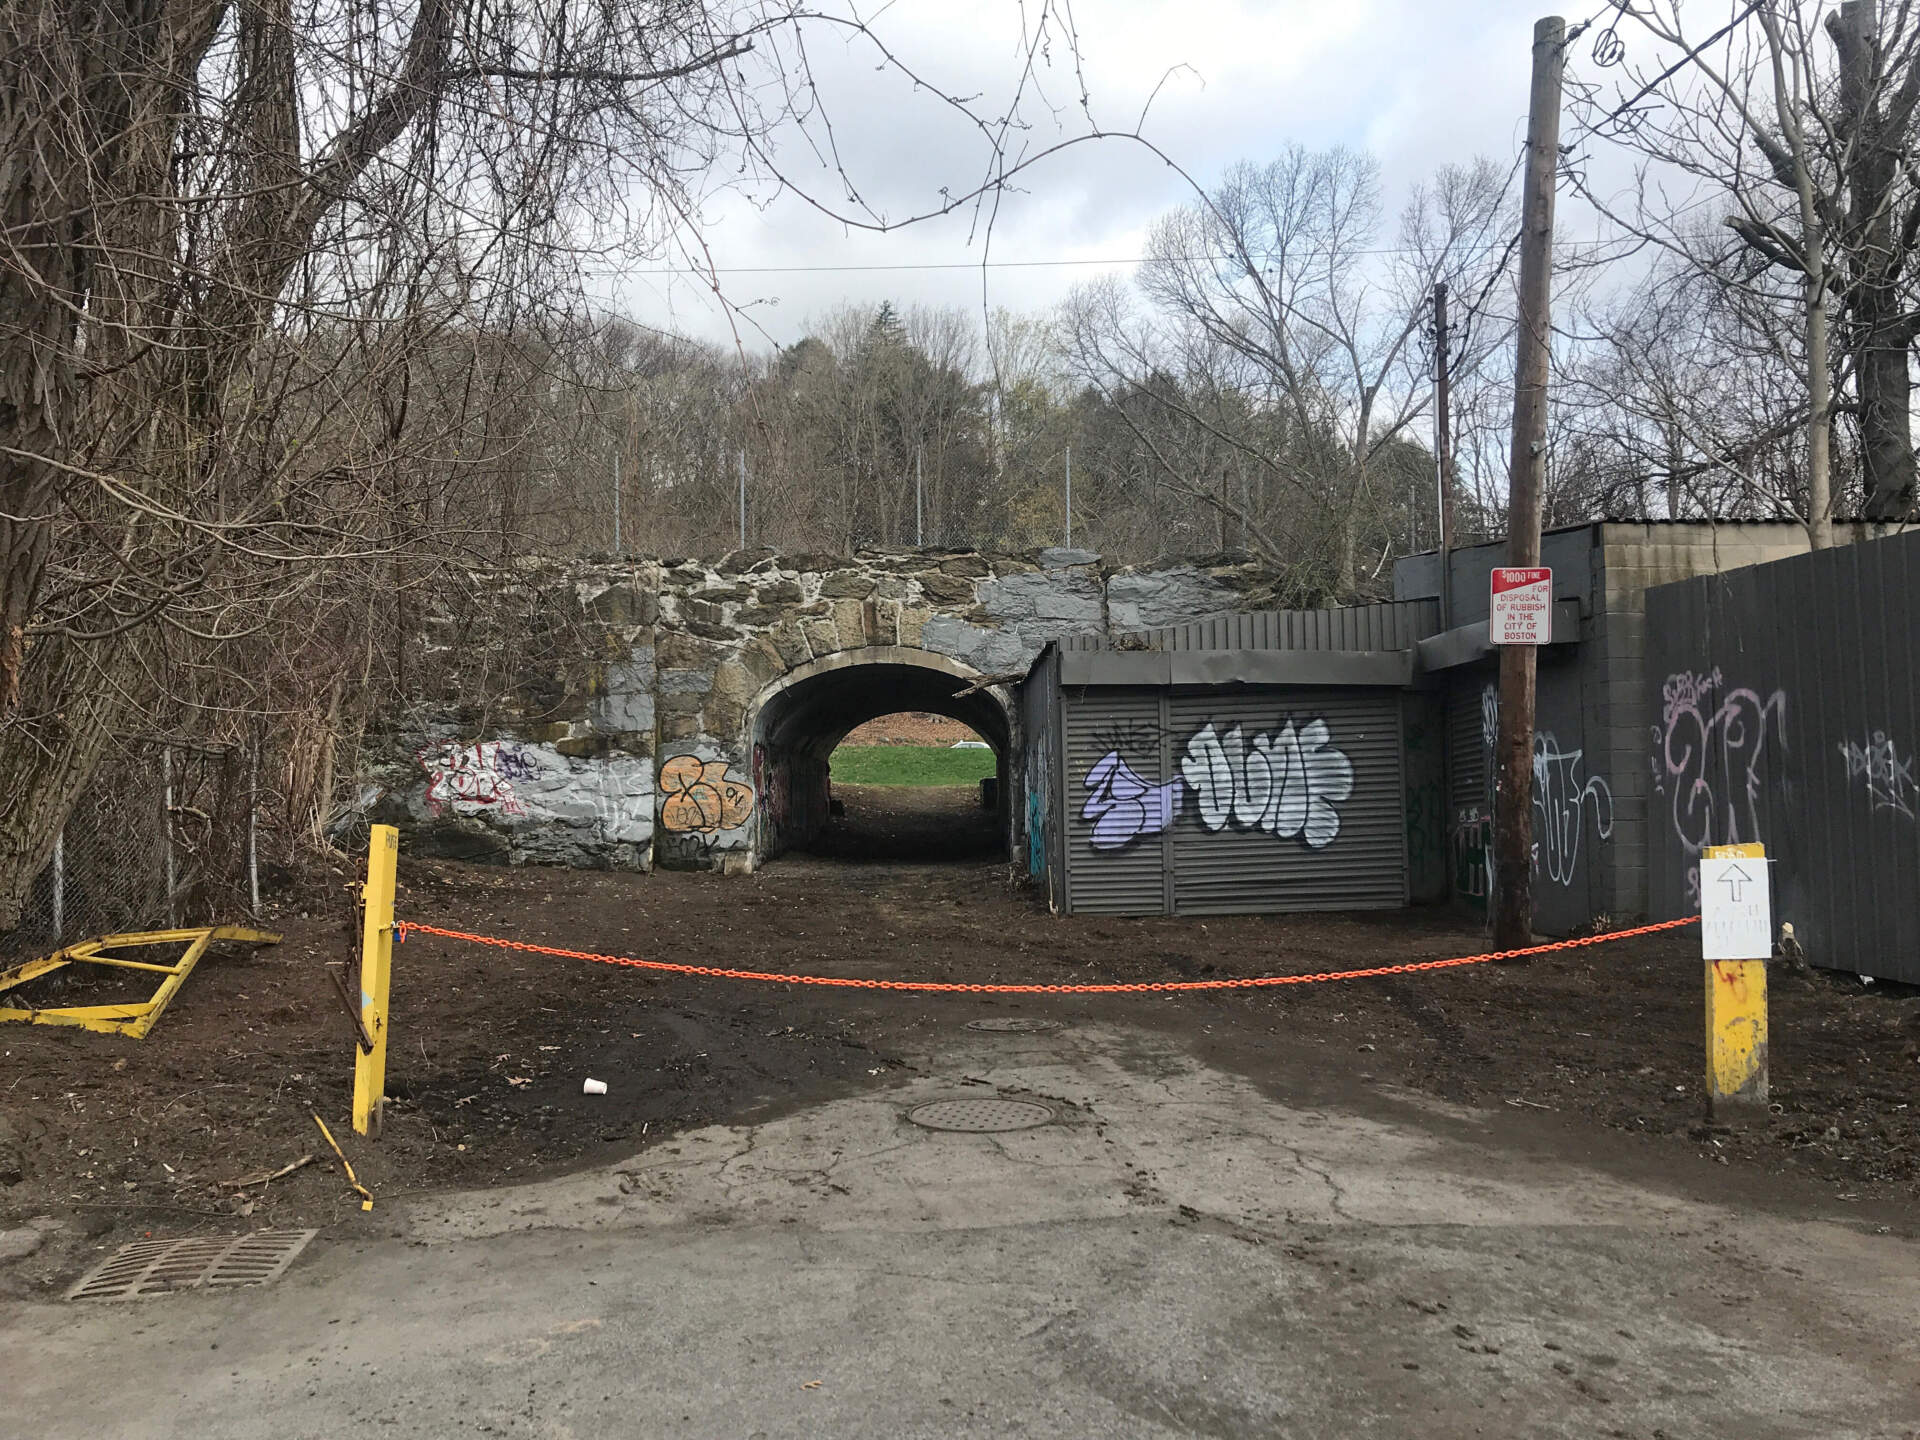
[[980, 1117], [159, 1267], [1013, 1025]]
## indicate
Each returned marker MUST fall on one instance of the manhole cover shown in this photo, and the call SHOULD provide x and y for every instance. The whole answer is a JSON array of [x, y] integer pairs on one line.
[[159, 1267], [1013, 1025], [980, 1117]]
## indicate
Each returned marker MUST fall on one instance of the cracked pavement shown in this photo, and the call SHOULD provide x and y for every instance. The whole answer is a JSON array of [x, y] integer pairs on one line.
[[1181, 1253]]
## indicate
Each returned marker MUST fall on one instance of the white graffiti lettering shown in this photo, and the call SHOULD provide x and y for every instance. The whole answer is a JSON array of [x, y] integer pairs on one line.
[[1710, 759], [1889, 779], [1284, 782], [1561, 800]]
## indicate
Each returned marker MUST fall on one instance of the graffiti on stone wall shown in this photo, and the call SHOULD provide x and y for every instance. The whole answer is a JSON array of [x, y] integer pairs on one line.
[[698, 797], [1562, 803], [1710, 753], [1887, 779], [475, 779], [1285, 782], [773, 785]]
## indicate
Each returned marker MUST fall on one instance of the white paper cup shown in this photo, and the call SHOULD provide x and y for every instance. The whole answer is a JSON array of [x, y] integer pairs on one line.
[[594, 1087]]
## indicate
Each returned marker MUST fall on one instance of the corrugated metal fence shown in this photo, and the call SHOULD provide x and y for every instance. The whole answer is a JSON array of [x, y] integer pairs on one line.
[[1392, 626], [1788, 712]]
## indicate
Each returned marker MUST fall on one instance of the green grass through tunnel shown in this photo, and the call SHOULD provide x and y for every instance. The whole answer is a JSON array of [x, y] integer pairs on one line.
[[910, 765]]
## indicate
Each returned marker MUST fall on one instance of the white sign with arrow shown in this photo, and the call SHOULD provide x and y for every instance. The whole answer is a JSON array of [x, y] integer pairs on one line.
[[1736, 910]]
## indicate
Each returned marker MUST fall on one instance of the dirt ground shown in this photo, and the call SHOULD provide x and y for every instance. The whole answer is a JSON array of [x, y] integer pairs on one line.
[[489, 1047]]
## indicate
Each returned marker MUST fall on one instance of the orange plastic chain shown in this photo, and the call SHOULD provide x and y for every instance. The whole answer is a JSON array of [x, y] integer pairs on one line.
[[410, 927]]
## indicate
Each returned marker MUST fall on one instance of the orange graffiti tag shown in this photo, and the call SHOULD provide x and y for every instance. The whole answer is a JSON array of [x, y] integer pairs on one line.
[[699, 796]]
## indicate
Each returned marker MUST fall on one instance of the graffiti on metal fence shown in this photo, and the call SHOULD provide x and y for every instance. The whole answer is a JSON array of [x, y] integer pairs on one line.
[[698, 797], [1710, 759], [1426, 797], [1473, 852], [1038, 767], [1036, 832], [470, 779], [1887, 779], [1285, 782], [1562, 803], [1124, 805]]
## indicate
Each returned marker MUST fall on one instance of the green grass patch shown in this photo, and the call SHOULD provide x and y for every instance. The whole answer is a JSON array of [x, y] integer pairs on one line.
[[910, 765]]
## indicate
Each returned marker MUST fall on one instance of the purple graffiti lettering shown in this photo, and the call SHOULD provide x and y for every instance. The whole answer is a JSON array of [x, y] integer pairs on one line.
[[1124, 806]]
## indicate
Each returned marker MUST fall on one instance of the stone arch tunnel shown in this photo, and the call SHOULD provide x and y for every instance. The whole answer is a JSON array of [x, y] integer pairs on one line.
[[801, 718]]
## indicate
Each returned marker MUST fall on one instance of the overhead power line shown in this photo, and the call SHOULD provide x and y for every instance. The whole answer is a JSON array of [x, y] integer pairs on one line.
[[702, 272]]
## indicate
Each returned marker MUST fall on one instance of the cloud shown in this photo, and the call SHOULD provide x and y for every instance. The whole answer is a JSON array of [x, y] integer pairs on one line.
[[1419, 84]]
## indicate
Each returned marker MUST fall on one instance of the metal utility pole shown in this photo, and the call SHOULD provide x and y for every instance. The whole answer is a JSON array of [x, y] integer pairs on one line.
[[616, 505], [1526, 476], [743, 499], [1069, 497], [1443, 448], [919, 537]]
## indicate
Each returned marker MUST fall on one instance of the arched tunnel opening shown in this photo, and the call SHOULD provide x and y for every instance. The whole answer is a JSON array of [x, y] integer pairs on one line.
[[799, 726]]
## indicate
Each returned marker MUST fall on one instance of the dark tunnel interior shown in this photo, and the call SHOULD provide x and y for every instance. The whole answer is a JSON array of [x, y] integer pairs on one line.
[[797, 731]]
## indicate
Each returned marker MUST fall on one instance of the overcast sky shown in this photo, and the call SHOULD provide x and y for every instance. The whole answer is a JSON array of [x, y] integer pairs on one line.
[[1417, 82]]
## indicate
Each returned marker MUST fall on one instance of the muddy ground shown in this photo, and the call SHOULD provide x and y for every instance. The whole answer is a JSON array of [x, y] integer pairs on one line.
[[118, 1139]]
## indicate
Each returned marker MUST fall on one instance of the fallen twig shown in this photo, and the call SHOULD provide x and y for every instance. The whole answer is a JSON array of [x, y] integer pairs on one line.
[[262, 1177], [366, 1195]]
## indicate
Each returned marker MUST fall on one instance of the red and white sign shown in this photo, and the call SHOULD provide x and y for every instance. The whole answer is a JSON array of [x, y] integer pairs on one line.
[[1522, 606]]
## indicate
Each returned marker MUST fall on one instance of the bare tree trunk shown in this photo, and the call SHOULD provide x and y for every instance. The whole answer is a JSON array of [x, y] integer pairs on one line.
[[1880, 329], [48, 751], [1820, 402]]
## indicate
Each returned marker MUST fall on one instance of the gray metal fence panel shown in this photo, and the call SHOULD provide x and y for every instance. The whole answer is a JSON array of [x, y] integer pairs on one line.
[[1117, 794], [1395, 625], [1787, 712], [1295, 799], [1470, 716]]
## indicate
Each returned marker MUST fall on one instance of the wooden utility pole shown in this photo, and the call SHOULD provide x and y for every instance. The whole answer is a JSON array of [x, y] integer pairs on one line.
[[1526, 476], [1443, 447]]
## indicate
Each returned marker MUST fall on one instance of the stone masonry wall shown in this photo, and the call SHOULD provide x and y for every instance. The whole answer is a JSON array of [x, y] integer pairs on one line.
[[598, 713]]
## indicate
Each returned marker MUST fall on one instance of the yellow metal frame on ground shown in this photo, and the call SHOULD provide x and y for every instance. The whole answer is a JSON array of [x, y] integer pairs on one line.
[[138, 1017]]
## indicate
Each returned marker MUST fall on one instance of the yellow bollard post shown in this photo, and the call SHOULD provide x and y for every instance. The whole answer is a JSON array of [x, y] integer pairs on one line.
[[376, 973], [1737, 928]]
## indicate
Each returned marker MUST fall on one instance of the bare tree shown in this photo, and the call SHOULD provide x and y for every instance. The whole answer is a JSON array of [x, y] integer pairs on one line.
[[1274, 289], [241, 246], [1805, 146]]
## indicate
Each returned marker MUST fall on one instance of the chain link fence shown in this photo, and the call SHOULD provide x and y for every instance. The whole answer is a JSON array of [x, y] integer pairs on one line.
[[164, 835]]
